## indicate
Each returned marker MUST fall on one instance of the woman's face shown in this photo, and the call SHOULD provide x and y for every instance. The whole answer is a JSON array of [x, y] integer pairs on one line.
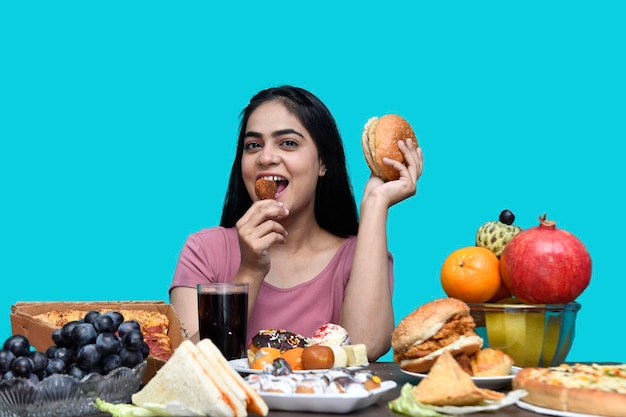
[[277, 146]]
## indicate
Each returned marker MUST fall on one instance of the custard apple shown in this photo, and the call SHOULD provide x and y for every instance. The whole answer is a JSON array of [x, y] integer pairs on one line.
[[494, 235]]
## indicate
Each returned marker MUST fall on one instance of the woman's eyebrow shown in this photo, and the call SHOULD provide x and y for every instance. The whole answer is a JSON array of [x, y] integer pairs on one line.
[[286, 132], [253, 134]]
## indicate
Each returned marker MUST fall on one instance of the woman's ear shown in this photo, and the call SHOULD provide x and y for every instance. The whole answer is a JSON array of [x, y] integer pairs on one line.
[[322, 171]]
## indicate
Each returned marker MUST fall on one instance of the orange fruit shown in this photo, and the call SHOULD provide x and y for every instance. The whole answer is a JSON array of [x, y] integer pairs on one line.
[[265, 355], [293, 357], [471, 274]]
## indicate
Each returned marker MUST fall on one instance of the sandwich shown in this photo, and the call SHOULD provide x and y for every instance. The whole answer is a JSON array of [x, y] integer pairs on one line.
[[200, 378], [220, 366], [442, 325], [380, 140]]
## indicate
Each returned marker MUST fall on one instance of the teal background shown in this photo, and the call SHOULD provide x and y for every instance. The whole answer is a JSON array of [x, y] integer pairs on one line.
[[118, 122]]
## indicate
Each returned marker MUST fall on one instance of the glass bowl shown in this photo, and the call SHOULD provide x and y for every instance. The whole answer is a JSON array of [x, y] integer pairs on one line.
[[532, 334], [65, 396]]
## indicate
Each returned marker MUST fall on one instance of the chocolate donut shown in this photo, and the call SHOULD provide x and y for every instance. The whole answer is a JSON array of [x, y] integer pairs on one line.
[[280, 339]]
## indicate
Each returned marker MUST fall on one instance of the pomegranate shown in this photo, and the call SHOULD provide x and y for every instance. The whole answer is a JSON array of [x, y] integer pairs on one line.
[[545, 265]]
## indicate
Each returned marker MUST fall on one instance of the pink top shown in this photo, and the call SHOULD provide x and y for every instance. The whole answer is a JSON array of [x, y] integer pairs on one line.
[[213, 255]]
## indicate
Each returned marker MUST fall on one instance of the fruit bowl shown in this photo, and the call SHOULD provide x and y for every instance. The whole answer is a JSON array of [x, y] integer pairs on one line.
[[62, 395], [532, 334]]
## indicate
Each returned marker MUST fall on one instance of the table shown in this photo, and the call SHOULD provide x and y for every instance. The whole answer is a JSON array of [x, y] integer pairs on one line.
[[391, 371]]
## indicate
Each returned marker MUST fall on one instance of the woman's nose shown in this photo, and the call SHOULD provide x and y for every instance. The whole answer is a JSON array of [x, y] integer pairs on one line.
[[268, 156]]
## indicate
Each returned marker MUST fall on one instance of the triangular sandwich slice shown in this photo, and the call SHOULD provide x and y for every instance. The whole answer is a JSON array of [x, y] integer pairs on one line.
[[254, 403], [182, 379]]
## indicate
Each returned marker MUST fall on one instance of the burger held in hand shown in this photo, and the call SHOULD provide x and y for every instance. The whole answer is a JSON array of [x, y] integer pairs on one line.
[[380, 140], [442, 325]]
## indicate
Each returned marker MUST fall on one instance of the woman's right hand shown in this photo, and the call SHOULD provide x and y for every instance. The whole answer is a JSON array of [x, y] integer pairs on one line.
[[258, 229]]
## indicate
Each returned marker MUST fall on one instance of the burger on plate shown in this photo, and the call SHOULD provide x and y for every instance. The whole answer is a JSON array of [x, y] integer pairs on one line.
[[441, 325]]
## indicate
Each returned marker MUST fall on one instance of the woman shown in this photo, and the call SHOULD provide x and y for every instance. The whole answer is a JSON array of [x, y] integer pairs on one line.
[[300, 251]]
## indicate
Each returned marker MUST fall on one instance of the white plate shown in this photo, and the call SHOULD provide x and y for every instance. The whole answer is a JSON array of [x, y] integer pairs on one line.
[[325, 403], [242, 365], [550, 412], [491, 382]]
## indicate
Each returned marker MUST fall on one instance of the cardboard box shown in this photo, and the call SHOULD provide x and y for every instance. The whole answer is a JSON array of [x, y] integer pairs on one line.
[[39, 333]]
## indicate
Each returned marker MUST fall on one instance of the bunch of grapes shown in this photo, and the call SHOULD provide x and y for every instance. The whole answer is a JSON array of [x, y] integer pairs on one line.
[[99, 342]]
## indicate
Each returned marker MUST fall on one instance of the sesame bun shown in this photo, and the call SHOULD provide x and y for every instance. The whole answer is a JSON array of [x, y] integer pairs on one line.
[[424, 322], [380, 139], [444, 324]]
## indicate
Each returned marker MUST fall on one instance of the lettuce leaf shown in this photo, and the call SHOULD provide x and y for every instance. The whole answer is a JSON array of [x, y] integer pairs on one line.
[[408, 405], [171, 409]]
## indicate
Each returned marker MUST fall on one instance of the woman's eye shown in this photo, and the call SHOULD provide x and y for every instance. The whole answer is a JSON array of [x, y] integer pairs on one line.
[[289, 143], [251, 146]]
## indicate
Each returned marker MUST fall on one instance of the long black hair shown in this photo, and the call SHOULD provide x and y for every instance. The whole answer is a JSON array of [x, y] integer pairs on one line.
[[335, 207]]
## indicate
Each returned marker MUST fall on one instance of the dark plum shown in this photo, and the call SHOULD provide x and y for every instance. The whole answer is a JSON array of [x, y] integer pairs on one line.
[[88, 357], [84, 334], [133, 340], [507, 217], [18, 344], [91, 316], [56, 366], [40, 361], [65, 354], [97, 368], [104, 323], [6, 357], [118, 318], [22, 367], [76, 371], [145, 350], [51, 351], [128, 326], [57, 339], [111, 362], [108, 343], [131, 358], [8, 375], [66, 332]]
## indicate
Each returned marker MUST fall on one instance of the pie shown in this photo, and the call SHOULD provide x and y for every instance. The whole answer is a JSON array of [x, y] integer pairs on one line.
[[580, 388], [154, 326]]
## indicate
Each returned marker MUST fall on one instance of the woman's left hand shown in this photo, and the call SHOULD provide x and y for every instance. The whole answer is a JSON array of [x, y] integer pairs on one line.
[[406, 185]]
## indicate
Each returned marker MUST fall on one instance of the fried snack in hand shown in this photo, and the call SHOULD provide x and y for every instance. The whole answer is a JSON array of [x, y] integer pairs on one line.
[[265, 189]]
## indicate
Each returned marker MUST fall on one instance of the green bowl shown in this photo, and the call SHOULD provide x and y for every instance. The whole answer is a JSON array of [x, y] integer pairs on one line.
[[532, 334]]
